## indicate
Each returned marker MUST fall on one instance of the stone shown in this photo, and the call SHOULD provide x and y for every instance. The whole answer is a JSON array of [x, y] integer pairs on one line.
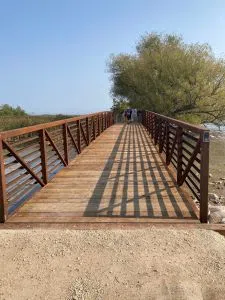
[[210, 175], [222, 221], [213, 197], [217, 214]]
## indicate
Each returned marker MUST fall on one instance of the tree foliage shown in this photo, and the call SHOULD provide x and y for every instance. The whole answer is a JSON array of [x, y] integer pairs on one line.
[[170, 77], [7, 110]]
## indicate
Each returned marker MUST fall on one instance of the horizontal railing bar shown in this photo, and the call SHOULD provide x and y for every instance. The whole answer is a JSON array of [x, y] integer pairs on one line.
[[194, 138], [182, 124], [29, 129]]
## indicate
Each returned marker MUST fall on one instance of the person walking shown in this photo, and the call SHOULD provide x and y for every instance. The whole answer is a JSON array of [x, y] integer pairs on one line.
[[129, 114], [134, 115]]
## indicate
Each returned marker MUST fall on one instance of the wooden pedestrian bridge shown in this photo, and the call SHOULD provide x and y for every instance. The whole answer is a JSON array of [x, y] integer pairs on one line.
[[91, 169]]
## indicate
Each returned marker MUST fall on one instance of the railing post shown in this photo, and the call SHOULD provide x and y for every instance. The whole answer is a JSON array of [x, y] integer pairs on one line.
[[94, 127], [99, 126], [65, 143], [156, 130], [110, 119], [102, 122], [161, 136], [78, 136], [179, 154], [3, 197], [150, 124], [106, 116], [167, 142], [204, 176], [43, 156], [154, 127], [87, 130], [147, 121]]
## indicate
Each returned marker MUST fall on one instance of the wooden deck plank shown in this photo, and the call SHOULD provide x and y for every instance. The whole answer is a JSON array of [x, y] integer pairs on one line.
[[119, 176]]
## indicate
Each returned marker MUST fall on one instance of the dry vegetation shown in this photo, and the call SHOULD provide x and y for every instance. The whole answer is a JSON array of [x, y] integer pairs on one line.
[[13, 122]]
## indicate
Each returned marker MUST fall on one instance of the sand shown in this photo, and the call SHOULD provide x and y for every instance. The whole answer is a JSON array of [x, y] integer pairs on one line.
[[112, 264]]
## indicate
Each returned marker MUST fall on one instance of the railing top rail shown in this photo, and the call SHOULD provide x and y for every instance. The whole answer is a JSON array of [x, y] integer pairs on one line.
[[33, 128], [195, 128]]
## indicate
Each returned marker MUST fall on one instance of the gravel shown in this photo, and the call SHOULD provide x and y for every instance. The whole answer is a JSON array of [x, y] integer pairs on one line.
[[112, 264]]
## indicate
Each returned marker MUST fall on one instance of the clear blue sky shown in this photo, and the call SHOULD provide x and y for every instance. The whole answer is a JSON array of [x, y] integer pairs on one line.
[[53, 53]]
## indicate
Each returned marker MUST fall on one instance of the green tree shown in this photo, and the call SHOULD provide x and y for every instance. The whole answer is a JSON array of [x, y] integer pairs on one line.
[[170, 77], [7, 110]]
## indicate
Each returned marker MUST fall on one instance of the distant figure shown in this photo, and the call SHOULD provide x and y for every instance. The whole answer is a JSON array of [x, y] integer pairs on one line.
[[134, 115], [127, 115], [139, 116]]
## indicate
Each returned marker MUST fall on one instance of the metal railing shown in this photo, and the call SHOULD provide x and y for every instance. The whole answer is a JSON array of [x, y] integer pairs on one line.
[[186, 147], [31, 156]]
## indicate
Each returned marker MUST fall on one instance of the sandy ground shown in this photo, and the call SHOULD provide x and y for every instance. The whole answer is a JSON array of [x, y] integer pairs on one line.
[[113, 264]]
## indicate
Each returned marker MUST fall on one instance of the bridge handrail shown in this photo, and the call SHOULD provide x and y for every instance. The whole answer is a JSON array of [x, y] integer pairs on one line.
[[186, 147], [32, 155]]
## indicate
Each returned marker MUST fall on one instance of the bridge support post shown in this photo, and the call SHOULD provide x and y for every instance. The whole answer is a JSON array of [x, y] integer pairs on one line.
[[65, 143], [94, 127], [43, 156], [156, 123], [87, 130], [179, 154], [204, 176], [154, 127], [106, 117], [147, 122], [152, 120], [78, 136], [102, 129], [3, 198], [167, 142]]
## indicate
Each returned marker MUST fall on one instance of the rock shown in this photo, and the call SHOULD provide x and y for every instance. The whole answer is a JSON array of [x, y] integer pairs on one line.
[[222, 178], [217, 214], [222, 221], [210, 175], [213, 197]]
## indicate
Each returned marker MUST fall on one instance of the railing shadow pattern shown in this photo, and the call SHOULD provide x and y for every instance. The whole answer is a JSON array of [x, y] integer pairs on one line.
[[136, 183]]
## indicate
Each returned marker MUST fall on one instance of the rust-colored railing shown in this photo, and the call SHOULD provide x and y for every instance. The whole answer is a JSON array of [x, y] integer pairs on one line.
[[186, 147], [31, 156]]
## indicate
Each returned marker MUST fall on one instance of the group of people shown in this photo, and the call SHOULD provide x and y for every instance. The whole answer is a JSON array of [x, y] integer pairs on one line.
[[130, 115]]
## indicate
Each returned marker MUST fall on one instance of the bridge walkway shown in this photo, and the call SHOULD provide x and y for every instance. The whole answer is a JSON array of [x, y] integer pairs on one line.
[[119, 177]]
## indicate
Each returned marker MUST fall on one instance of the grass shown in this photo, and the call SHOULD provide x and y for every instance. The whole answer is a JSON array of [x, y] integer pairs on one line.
[[13, 122]]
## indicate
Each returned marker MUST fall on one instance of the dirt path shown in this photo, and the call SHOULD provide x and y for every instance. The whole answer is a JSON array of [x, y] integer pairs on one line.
[[114, 264]]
